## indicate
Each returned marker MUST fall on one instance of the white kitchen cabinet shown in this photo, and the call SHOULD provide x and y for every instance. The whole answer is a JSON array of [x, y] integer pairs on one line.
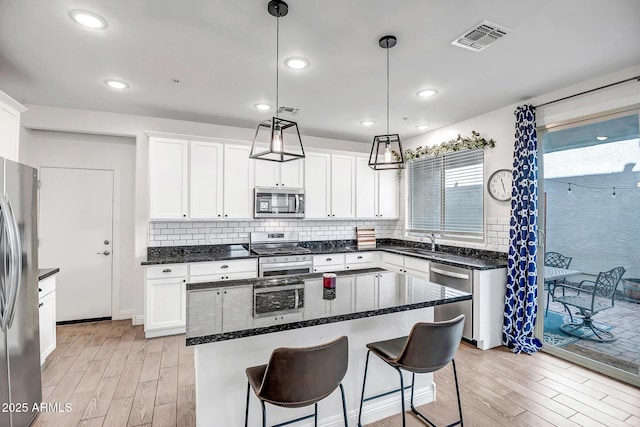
[[376, 194], [343, 302], [238, 177], [168, 178], [237, 307], [317, 181], [165, 300], [330, 182], [223, 270], [315, 305], [388, 205], [405, 264], [272, 174], [343, 186], [214, 311], [206, 167], [10, 111], [328, 263], [366, 292], [360, 260], [47, 316]]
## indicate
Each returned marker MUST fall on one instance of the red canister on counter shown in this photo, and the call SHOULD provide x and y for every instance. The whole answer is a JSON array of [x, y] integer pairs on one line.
[[329, 280]]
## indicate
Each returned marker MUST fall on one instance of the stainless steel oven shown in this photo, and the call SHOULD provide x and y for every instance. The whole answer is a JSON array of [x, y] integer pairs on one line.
[[290, 265], [278, 202], [278, 298]]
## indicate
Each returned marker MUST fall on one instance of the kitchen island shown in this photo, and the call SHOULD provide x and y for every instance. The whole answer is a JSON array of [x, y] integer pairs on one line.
[[236, 324]]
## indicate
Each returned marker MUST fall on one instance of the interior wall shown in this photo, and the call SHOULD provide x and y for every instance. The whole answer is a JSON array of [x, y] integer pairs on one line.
[[39, 117], [74, 150]]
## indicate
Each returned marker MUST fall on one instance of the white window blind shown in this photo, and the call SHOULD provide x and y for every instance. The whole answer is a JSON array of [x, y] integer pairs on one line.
[[445, 194]]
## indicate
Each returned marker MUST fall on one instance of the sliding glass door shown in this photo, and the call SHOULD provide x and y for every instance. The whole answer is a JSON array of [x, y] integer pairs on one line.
[[589, 263]]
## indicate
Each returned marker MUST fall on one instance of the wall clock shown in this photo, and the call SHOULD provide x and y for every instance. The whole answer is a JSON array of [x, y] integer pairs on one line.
[[499, 185]]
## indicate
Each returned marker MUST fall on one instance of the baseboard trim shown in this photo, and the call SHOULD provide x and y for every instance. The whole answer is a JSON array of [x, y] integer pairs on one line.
[[123, 315], [138, 319]]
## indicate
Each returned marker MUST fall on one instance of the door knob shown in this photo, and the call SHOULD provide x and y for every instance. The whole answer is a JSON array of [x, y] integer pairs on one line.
[[104, 253]]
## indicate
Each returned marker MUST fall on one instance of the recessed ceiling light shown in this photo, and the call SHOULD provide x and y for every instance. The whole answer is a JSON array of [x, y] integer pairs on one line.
[[367, 122], [426, 93], [602, 138], [116, 84], [422, 127], [296, 63], [88, 19], [263, 107]]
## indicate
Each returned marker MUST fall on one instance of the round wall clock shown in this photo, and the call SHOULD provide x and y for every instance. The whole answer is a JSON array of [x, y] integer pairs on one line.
[[499, 185]]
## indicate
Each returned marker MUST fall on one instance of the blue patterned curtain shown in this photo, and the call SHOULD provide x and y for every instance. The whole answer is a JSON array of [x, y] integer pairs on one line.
[[521, 300]]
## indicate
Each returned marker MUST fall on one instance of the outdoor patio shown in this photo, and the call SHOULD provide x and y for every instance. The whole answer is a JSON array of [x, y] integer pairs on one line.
[[623, 320]]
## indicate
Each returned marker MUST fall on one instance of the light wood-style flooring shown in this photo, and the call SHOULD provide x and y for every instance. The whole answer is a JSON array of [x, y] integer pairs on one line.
[[113, 377]]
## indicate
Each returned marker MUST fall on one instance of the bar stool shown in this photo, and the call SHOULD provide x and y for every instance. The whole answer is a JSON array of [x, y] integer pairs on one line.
[[298, 377], [428, 348]]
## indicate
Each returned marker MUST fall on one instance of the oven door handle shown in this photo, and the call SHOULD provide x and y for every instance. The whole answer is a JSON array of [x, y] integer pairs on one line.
[[297, 301], [279, 288], [268, 267]]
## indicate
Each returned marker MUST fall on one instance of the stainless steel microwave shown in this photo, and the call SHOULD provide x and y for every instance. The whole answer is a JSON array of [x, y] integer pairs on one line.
[[278, 202]]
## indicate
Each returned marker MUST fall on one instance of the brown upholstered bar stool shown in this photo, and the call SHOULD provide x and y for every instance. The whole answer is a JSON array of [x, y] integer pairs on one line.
[[297, 377], [428, 348]]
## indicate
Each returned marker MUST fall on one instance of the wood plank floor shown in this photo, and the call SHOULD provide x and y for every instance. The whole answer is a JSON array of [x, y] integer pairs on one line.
[[112, 376]]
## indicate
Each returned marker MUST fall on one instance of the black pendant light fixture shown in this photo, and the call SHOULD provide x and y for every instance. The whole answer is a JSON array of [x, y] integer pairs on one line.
[[386, 151], [281, 137]]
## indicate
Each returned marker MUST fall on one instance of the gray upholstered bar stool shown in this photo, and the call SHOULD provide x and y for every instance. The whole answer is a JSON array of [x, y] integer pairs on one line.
[[298, 377], [428, 348]]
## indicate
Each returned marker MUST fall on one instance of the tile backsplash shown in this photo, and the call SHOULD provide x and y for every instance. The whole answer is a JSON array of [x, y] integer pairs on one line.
[[183, 233]]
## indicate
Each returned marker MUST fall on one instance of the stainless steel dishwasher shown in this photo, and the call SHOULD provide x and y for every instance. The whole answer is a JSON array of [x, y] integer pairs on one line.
[[456, 278]]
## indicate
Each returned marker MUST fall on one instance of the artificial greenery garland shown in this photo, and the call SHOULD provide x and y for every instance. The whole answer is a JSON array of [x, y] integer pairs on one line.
[[458, 144]]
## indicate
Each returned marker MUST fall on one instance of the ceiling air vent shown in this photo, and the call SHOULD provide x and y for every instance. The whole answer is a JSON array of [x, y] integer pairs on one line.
[[480, 36], [288, 110]]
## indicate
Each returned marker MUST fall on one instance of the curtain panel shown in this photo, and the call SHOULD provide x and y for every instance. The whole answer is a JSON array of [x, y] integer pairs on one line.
[[521, 299]]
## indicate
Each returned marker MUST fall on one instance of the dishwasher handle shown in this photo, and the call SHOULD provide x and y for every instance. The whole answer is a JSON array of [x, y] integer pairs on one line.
[[450, 273]]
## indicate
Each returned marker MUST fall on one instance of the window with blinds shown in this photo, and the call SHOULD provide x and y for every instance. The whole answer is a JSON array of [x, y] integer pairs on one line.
[[445, 194]]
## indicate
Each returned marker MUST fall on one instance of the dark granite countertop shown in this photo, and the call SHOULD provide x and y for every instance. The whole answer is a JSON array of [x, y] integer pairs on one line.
[[200, 253], [241, 308], [43, 273], [474, 259]]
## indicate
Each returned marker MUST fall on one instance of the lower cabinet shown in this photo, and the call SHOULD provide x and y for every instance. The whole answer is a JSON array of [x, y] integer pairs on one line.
[[166, 294], [328, 263], [228, 310], [47, 315], [361, 260], [405, 264]]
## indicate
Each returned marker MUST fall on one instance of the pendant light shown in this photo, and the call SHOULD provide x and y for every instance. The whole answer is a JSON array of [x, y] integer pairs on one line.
[[386, 151], [281, 137]]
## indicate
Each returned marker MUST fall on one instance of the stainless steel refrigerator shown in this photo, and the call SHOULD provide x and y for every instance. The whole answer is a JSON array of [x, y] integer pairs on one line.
[[20, 383]]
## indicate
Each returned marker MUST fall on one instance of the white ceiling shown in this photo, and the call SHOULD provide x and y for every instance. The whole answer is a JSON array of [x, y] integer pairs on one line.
[[223, 53]]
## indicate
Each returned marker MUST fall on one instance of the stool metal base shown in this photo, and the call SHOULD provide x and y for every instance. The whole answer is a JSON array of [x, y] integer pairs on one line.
[[306, 417], [401, 390]]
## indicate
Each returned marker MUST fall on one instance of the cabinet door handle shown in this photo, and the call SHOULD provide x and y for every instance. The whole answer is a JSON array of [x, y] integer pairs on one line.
[[224, 266], [225, 292], [328, 215], [219, 215], [359, 256], [225, 215], [184, 215], [40, 305], [166, 270], [328, 259]]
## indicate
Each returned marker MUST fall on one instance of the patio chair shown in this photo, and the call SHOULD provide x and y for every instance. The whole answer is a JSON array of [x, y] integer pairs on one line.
[[554, 259], [590, 302]]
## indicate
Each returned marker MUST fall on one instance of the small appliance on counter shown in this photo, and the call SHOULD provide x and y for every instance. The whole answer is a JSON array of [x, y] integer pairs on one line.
[[278, 202]]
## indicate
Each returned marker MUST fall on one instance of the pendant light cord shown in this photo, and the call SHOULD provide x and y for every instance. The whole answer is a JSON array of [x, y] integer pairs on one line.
[[387, 88], [277, 59]]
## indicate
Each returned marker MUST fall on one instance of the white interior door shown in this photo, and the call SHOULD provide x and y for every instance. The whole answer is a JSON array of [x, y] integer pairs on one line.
[[76, 221]]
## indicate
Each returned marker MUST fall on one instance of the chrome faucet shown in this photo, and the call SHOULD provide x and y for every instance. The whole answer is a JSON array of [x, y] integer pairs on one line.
[[432, 237]]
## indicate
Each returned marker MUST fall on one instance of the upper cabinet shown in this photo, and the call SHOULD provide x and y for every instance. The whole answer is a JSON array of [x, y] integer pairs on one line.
[[273, 174], [329, 186], [199, 180], [376, 192], [168, 183], [10, 111]]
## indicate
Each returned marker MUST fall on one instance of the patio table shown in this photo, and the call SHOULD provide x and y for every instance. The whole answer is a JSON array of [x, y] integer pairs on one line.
[[555, 273]]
